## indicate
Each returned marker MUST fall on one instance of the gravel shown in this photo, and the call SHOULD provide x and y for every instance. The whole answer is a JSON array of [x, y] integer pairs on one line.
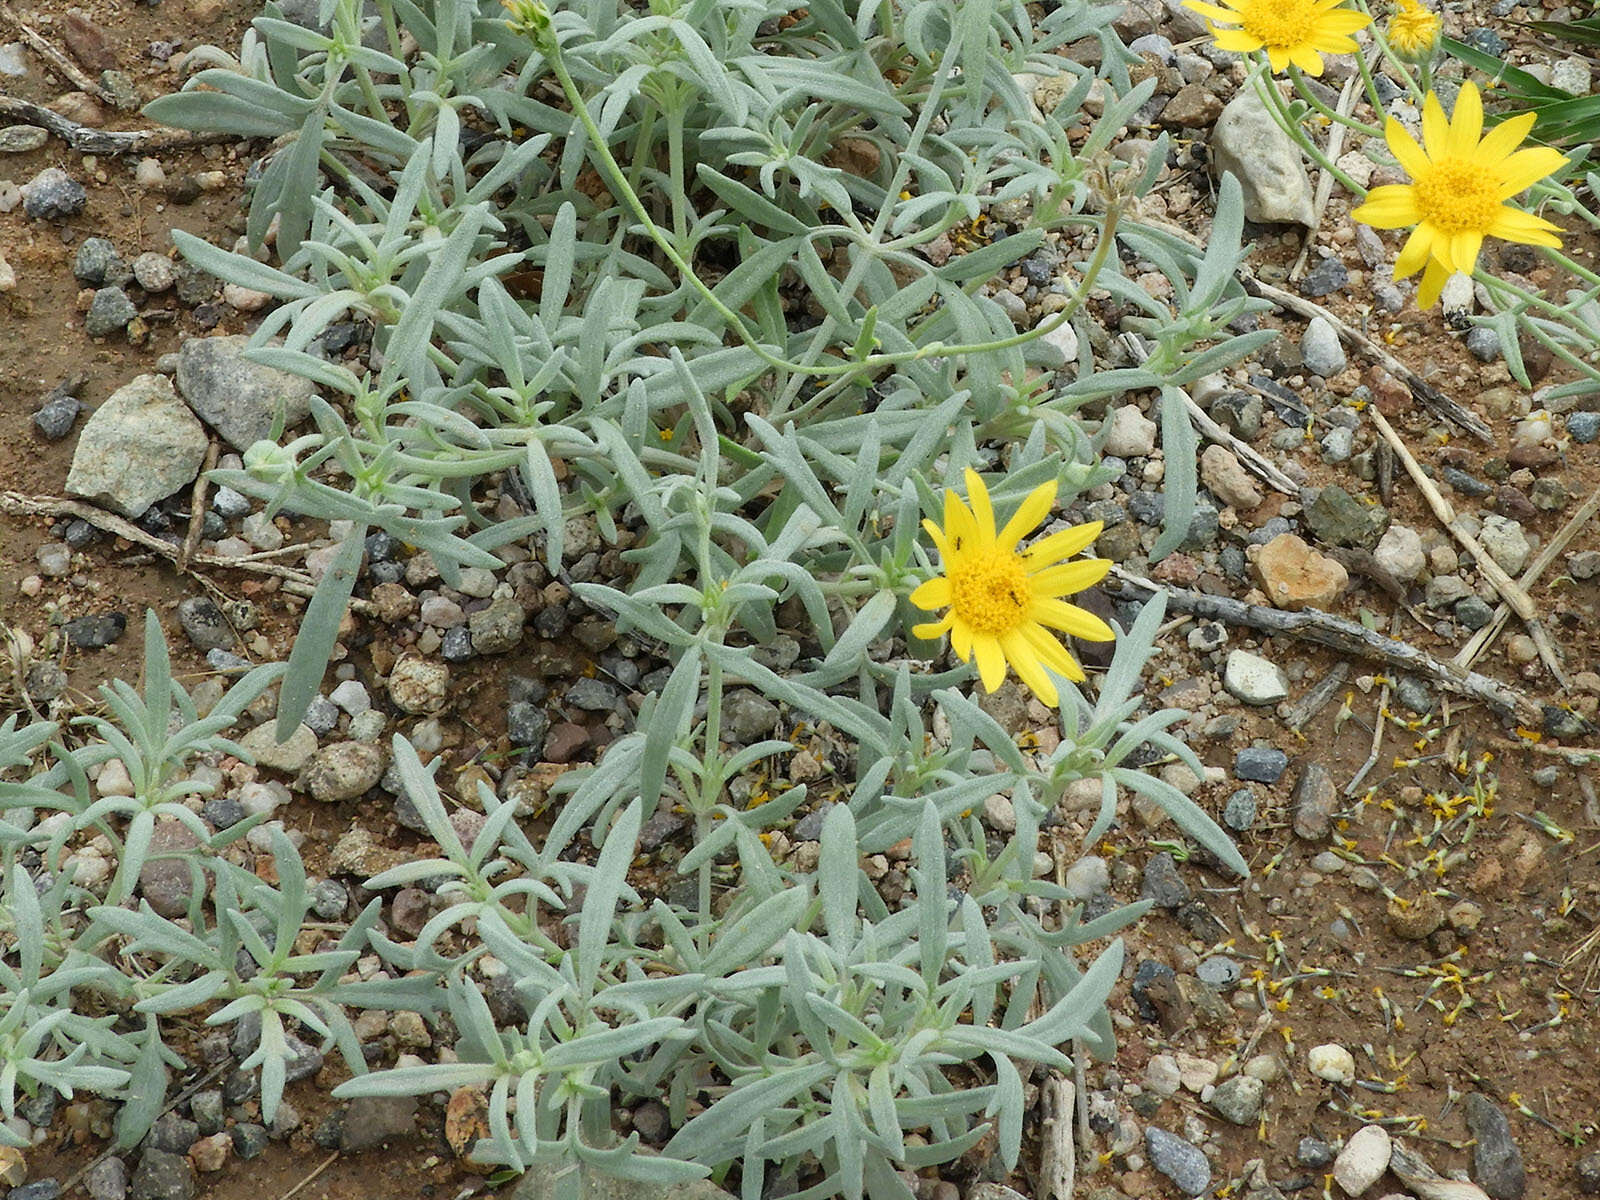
[[1260, 765], [1182, 1162]]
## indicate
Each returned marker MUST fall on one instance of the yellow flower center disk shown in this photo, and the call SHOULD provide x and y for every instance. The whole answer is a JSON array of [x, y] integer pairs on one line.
[[1279, 22], [1456, 196], [989, 591]]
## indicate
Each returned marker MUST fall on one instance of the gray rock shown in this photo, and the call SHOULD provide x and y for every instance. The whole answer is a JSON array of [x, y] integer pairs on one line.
[[107, 1180], [1496, 1161], [52, 194], [456, 645], [204, 623], [163, 1176], [1506, 543], [20, 139], [249, 1140], [207, 1110], [39, 1189], [138, 447], [1313, 802], [45, 681], [498, 628], [1327, 277], [1588, 1173], [1313, 1152], [329, 899], [289, 755], [1238, 1100], [229, 504], [172, 1133], [593, 695], [1584, 564], [58, 414], [1218, 971], [109, 311], [1337, 444], [238, 399], [372, 1121], [1260, 765], [1253, 679], [1411, 694], [1473, 612], [1239, 813], [96, 633], [749, 715], [1583, 426], [1563, 723], [154, 272], [1162, 883], [526, 726], [224, 812], [1466, 484], [342, 771], [1339, 519], [1483, 343], [165, 880], [1178, 1160], [322, 716], [97, 262], [1247, 143]]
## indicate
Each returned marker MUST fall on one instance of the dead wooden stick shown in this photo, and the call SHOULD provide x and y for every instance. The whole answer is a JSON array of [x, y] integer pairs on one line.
[[297, 583], [1058, 1161], [1336, 633], [102, 141], [1243, 451], [197, 509], [1481, 640], [1508, 588], [59, 62]]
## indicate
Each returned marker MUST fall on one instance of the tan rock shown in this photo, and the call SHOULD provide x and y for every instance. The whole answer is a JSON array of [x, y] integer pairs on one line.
[[1294, 576], [1228, 481]]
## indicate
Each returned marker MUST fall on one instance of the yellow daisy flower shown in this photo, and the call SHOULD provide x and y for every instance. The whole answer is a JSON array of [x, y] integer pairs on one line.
[[1004, 601], [1458, 190], [1290, 31], [1413, 31]]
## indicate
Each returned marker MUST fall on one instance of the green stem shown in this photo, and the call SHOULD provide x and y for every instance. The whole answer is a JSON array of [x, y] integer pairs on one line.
[[1269, 96], [1303, 87]]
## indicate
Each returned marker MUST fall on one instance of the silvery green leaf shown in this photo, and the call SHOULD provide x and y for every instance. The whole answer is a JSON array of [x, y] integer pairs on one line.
[[319, 630], [237, 268], [607, 886], [671, 717], [756, 932], [1189, 816]]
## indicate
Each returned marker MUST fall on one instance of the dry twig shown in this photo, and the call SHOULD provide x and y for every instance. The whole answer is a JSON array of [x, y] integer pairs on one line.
[[86, 140], [59, 62], [1336, 633], [295, 582], [1480, 641], [1058, 1166]]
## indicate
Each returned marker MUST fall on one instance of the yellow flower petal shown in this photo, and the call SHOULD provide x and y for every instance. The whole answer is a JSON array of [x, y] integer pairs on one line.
[[1514, 225], [1236, 40], [991, 662], [1052, 653], [1071, 620], [1464, 247], [1392, 206], [1063, 544], [932, 593], [982, 510], [1034, 508], [1527, 167], [1434, 277], [1307, 59], [1507, 136], [1466, 123], [1068, 578], [933, 629], [1020, 654], [1405, 150], [1435, 128], [1414, 253]]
